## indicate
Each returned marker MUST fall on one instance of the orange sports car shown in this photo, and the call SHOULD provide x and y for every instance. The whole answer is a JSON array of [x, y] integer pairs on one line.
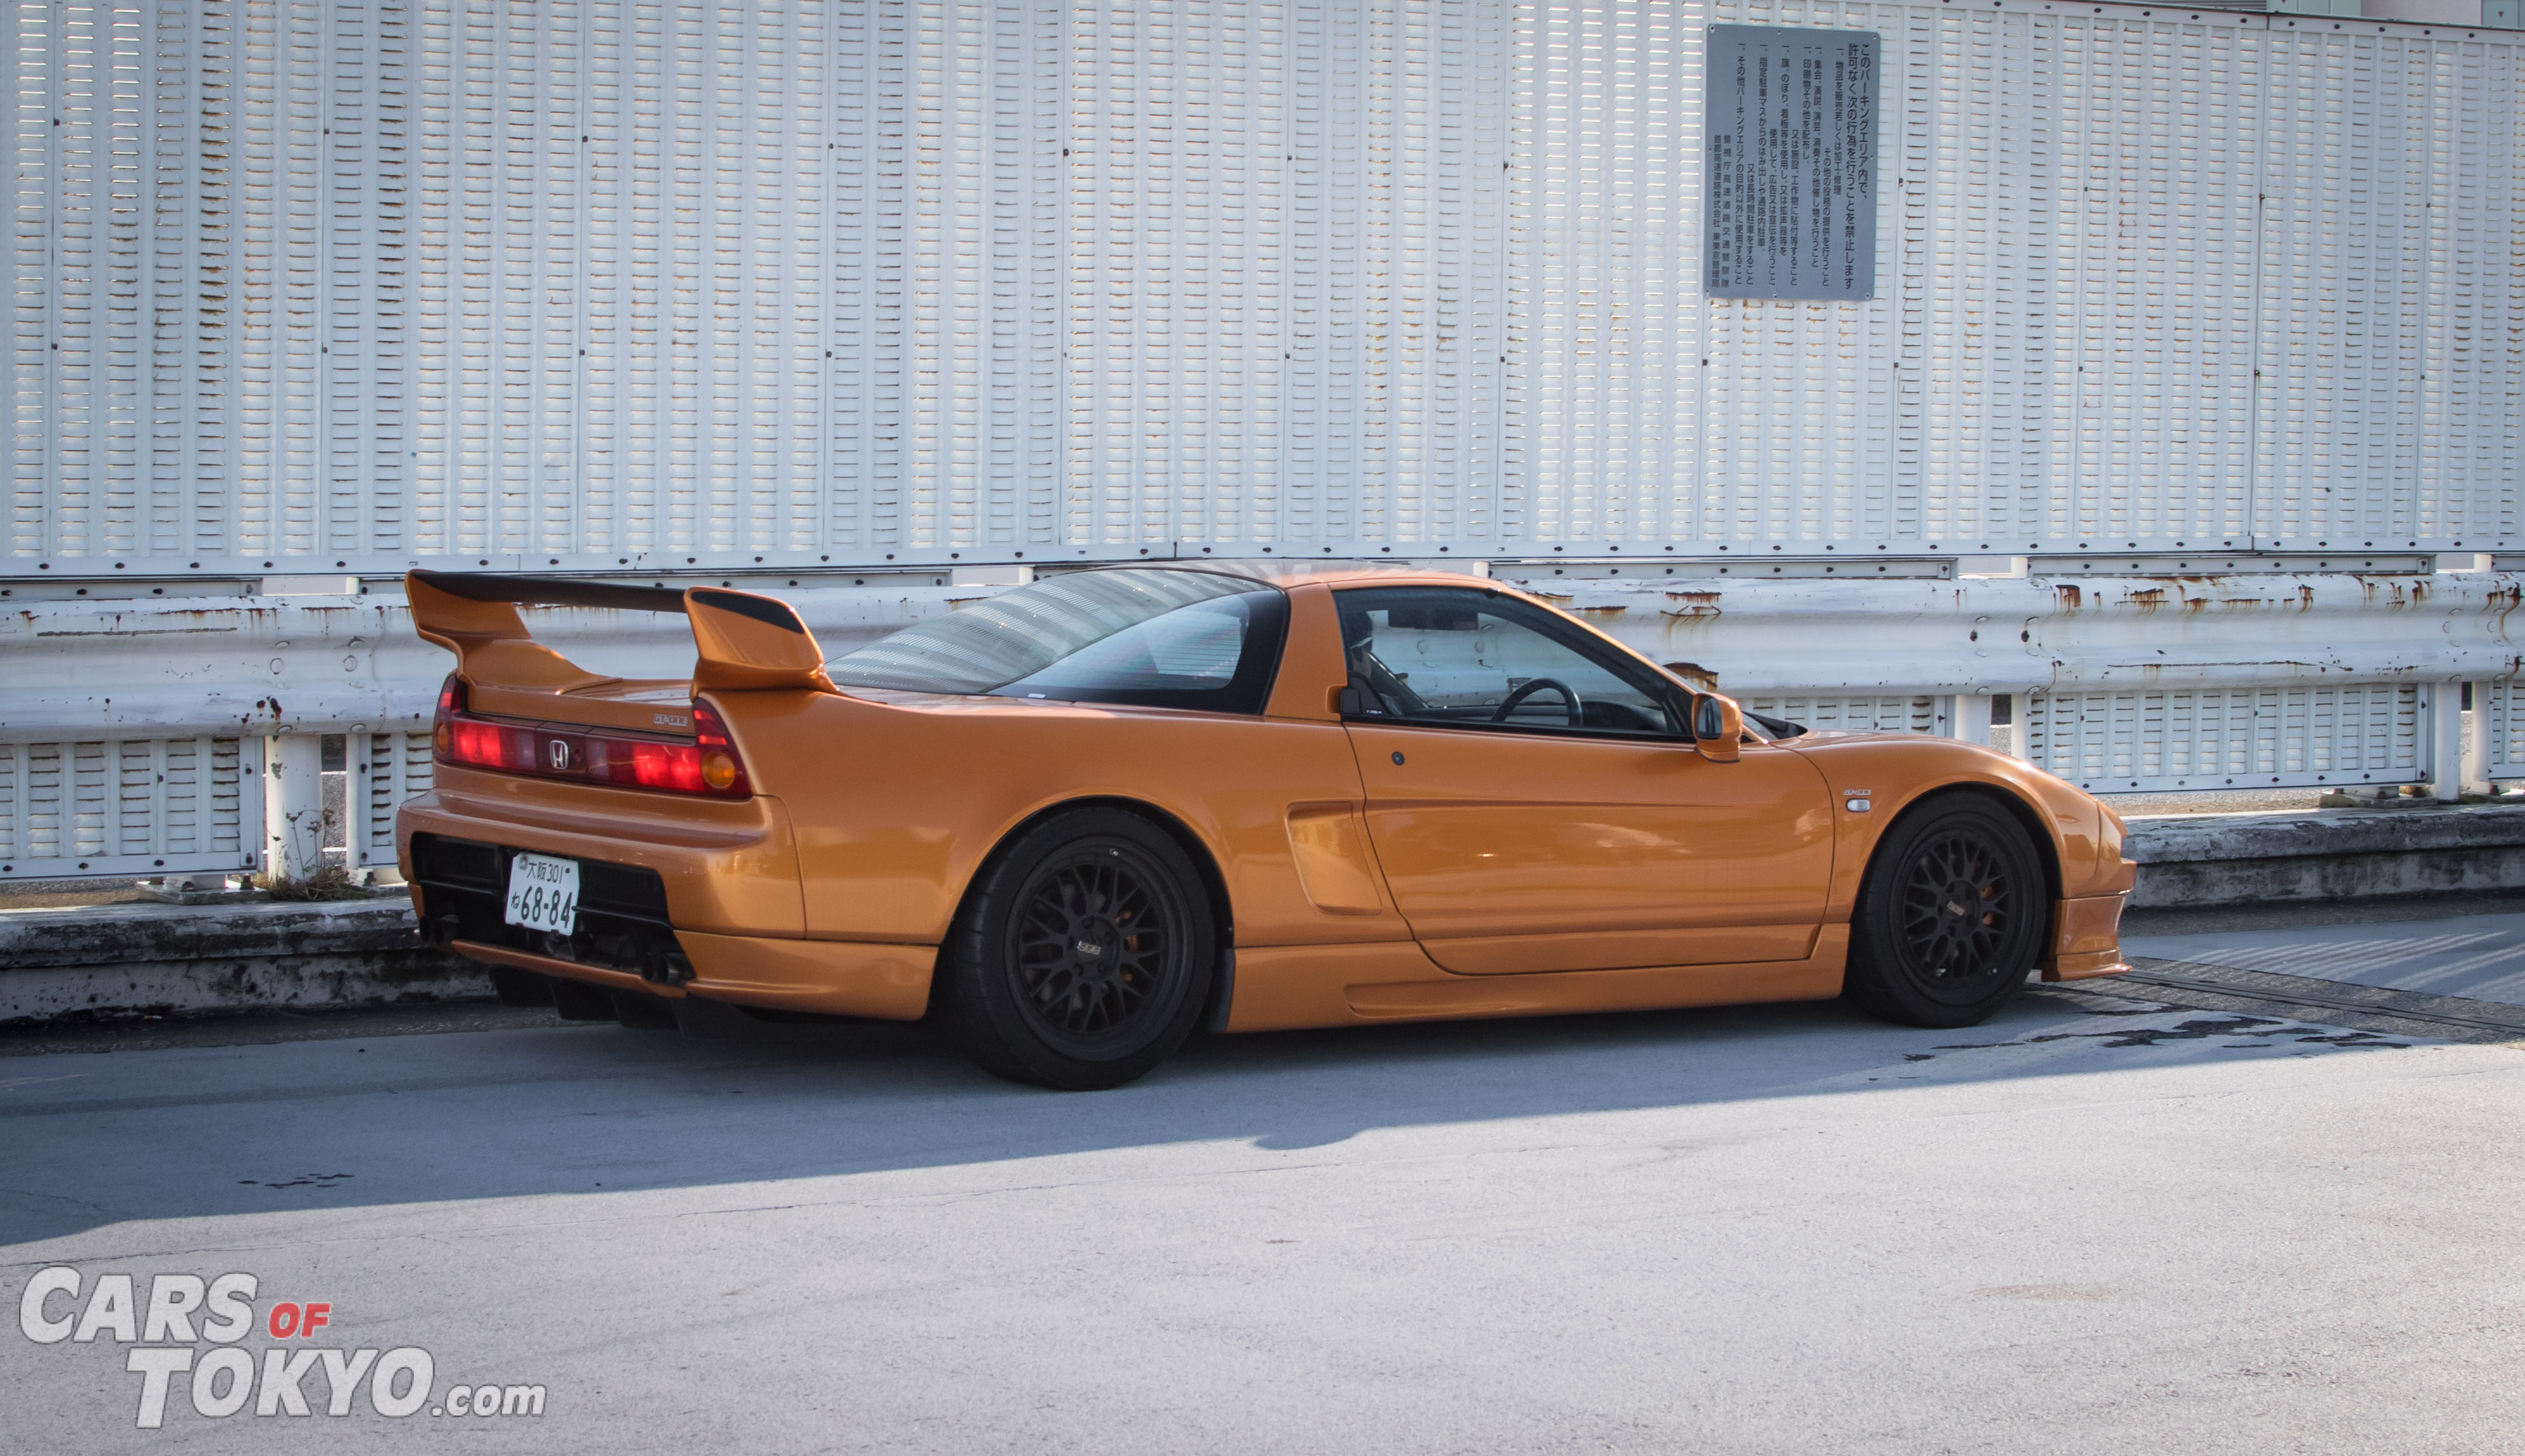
[[1078, 819]]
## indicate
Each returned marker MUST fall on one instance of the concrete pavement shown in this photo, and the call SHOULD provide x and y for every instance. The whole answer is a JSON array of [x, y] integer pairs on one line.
[[2480, 956], [2087, 1227]]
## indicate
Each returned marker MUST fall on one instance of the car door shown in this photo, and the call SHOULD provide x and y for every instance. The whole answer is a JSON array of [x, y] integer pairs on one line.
[[1536, 804]]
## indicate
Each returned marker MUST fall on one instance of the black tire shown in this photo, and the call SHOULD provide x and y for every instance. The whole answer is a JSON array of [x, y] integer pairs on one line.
[[1085, 955], [1950, 918]]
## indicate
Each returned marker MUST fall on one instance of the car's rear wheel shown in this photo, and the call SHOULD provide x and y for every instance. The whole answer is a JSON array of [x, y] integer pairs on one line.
[[1085, 955], [1950, 918]]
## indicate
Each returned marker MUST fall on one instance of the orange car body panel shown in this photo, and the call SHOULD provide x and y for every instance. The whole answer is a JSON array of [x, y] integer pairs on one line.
[[891, 835], [1482, 875], [1513, 852]]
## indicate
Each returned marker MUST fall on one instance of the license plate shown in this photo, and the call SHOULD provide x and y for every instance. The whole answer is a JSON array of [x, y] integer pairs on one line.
[[543, 893]]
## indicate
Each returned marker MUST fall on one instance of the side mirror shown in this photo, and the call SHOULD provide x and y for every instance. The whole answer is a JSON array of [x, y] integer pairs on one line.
[[1718, 727]]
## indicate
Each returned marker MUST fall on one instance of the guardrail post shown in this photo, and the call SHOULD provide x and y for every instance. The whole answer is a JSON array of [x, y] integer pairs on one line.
[[354, 798], [293, 806], [2476, 740], [2444, 703], [1972, 718]]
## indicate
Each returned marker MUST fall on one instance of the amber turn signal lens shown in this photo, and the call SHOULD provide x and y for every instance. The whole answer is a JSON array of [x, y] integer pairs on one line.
[[718, 770]]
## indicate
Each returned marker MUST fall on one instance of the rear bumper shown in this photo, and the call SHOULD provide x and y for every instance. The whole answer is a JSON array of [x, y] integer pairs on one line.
[[836, 978], [459, 890], [727, 866], [676, 899]]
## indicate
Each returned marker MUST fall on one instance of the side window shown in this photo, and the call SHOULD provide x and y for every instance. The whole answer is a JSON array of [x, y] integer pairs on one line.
[[1155, 638], [1467, 658]]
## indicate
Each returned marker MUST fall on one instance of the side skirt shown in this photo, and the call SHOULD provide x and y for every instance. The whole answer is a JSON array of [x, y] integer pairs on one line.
[[1289, 986]]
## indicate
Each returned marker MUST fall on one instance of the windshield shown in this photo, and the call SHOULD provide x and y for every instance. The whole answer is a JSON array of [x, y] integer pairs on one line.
[[1156, 638]]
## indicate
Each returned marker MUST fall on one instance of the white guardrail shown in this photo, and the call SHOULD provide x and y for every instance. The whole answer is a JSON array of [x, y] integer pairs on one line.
[[137, 736]]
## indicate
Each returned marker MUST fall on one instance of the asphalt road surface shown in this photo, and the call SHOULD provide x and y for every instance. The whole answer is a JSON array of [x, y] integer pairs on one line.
[[2094, 1225]]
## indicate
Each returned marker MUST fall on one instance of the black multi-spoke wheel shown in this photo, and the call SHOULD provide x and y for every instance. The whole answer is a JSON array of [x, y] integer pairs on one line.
[[1085, 955], [1961, 903], [1950, 918], [1093, 946]]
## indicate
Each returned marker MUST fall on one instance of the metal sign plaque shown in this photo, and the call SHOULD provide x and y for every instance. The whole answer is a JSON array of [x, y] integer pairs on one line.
[[1792, 163]]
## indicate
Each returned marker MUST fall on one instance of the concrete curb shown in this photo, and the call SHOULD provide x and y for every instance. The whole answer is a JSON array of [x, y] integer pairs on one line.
[[134, 959], [2232, 860]]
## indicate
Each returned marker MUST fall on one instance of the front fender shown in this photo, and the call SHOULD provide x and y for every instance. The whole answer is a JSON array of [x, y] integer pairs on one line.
[[2079, 838]]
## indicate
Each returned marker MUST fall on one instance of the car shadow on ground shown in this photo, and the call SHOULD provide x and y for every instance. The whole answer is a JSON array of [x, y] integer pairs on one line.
[[211, 1132]]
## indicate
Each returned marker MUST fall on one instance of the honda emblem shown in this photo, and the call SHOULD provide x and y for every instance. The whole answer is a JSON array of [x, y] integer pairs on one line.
[[556, 752]]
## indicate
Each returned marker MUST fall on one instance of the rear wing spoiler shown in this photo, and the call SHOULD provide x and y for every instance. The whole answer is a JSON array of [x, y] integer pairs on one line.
[[743, 641]]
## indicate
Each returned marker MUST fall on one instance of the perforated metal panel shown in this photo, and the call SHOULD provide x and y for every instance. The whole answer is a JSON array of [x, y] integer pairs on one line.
[[2061, 349], [2394, 296], [387, 768], [589, 282], [2504, 732], [1602, 436], [1395, 323], [2147, 182], [1920, 715], [505, 238], [131, 807], [2244, 737]]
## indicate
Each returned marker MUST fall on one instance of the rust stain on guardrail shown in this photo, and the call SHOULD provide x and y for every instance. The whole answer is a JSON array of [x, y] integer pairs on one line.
[[1689, 612], [1689, 605], [2402, 594], [2498, 604]]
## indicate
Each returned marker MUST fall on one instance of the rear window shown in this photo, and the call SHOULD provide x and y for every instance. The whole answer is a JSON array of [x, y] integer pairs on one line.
[[1151, 638]]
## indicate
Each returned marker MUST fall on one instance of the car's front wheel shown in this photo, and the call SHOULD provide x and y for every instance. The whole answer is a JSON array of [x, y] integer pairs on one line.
[[1950, 918], [1085, 955]]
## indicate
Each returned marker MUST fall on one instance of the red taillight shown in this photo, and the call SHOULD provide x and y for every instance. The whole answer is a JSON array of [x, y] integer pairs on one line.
[[667, 765], [709, 764], [722, 770], [451, 704]]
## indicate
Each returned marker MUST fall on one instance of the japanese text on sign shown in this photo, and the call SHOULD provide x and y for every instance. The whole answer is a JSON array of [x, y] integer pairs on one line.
[[1792, 163]]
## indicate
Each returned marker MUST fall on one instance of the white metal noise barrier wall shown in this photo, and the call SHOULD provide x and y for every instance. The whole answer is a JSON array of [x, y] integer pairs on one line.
[[593, 283], [186, 806], [130, 806]]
